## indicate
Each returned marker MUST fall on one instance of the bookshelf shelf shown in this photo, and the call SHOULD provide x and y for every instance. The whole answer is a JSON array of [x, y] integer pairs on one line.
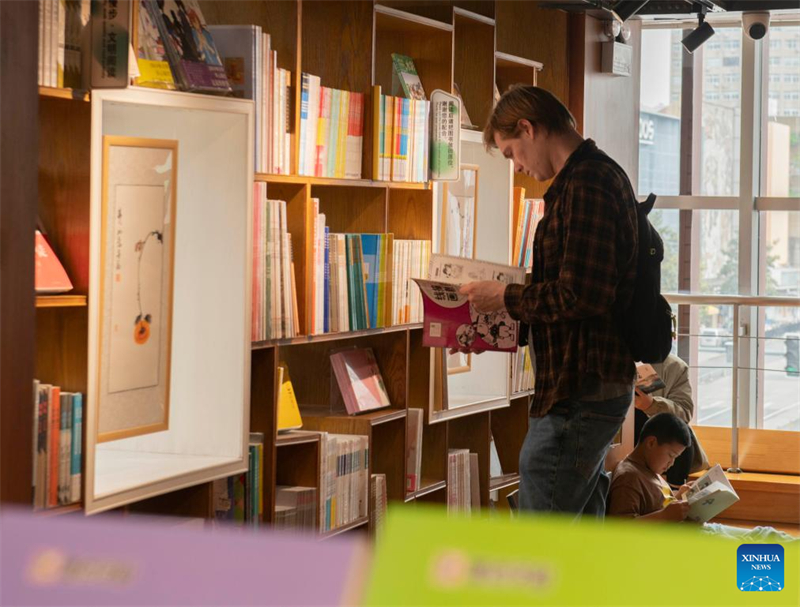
[[428, 486], [329, 181], [311, 339], [505, 60], [60, 510], [467, 14], [339, 530], [460, 412], [61, 301], [61, 93], [501, 482], [313, 418], [523, 394], [297, 437], [392, 19]]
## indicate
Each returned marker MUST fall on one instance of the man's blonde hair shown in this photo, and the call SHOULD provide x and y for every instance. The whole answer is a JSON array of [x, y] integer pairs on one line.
[[536, 105]]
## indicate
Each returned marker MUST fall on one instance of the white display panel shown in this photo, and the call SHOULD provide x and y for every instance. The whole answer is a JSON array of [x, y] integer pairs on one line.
[[210, 354], [488, 379]]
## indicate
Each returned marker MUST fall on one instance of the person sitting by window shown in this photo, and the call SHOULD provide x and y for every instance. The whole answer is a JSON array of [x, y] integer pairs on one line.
[[637, 488], [675, 398]]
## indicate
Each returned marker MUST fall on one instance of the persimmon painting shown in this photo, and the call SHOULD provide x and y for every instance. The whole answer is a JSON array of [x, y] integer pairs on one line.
[[137, 255]]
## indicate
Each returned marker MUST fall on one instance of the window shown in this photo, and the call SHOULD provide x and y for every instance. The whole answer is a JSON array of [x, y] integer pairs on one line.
[[702, 235], [783, 129], [721, 124], [660, 117]]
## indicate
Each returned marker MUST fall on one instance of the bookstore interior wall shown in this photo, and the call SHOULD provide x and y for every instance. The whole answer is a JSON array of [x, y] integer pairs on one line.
[[418, 447]]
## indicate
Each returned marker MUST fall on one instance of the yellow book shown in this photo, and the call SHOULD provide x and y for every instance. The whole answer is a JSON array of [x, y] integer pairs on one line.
[[288, 411]]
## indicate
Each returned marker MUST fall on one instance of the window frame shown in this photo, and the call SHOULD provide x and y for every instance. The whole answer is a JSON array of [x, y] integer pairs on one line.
[[754, 90]]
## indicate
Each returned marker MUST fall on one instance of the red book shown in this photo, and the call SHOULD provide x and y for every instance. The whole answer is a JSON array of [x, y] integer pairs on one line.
[[359, 380], [50, 274], [54, 440]]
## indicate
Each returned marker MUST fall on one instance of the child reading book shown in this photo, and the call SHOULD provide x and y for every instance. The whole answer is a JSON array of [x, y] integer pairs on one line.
[[639, 491]]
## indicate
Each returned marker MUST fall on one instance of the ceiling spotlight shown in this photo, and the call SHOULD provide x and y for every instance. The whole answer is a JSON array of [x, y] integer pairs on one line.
[[695, 39], [625, 9]]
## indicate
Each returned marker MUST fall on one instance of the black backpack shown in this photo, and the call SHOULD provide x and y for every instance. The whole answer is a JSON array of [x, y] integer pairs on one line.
[[647, 324]]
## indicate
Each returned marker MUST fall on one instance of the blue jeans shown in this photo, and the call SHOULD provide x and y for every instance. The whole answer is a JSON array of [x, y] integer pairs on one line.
[[561, 462]]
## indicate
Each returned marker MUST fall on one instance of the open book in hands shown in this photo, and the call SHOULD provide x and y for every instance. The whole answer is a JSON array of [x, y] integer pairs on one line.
[[647, 380], [451, 321], [711, 494]]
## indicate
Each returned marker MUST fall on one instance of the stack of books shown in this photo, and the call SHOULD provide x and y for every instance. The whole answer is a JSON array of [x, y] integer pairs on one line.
[[411, 260], [378, 501], [62, 29], [522, 375], [57, 446], [295, 508], [460, 480], [274, 289], [251, 66], [239, 499], [331, 130], [345, 486], [413, 449], [529, 215]]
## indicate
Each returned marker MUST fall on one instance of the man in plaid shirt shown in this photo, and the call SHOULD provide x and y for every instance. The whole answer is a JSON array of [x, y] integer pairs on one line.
[[584, 269]]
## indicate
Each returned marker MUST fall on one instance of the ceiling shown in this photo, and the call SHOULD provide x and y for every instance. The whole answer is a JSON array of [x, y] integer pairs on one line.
[[599, 8]]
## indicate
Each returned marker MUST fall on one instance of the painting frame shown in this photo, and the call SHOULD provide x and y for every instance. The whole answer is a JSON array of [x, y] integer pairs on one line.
[[454, 193], [162, 183]]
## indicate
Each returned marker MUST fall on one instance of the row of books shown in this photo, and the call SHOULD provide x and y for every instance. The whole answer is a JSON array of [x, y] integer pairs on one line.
[[363, 281], [529, 215], [411, 260], [378, 503], [239, 499], [251, 66], [295, 508], [463, 481], [403, 139], [414, 418], [57, 446], [345, 484], [522, 370], [274, 311], [331, 130], [62, 27]]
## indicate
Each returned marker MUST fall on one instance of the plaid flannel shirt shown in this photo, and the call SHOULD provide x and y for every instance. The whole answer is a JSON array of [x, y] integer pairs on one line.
[[584, 268]]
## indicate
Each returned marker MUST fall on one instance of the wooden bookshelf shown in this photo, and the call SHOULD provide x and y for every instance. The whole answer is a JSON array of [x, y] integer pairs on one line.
[[64, 93], [348, 43], [60, 301]]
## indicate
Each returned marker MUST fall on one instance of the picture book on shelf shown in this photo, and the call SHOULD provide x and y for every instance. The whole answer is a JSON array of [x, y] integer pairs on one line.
[[288, 411], [50, 274], [450, 321], [193, 55], [151, 54], [405, 78], [711, 494], [360, 380], [647, 380]]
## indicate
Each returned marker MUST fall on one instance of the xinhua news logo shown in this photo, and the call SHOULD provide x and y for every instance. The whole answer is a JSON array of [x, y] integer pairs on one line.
[[759, 567]]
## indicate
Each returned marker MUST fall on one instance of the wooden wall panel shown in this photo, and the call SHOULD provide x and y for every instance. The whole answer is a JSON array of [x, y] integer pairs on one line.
[[611, 103], [526, 30], [18, 199]]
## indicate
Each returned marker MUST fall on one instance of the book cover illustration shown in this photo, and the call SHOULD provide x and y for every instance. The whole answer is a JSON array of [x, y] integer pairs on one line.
[[359, 380], [647, 380], [194, 55], [450, 321], [151, 54], [405, 78], [711, 494], [50, 275]]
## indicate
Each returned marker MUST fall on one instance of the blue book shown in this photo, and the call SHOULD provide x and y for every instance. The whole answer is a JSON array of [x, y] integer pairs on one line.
[[369, 247], [77, 447]]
